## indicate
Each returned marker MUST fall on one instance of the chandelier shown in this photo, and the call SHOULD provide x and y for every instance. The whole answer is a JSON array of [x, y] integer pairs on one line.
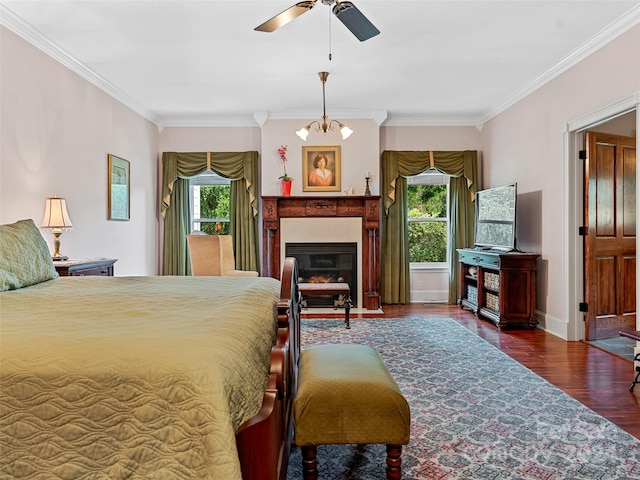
[[326, 124]]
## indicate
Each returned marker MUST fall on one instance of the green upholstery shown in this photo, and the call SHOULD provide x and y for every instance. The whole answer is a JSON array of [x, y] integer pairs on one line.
[[347, 395], [24, 256]]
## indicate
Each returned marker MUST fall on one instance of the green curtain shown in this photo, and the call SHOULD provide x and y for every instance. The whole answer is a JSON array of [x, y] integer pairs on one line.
[[242, 169], [462, 166], [175, 259]]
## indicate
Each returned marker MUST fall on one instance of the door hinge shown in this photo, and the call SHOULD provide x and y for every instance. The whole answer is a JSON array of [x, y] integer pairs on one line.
[[583, 307], [584, 231], [582, 154]]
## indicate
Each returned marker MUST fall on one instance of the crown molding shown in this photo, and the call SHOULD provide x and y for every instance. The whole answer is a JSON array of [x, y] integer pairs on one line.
[[604, 114], [35, 38], [259, 118], [413, 120], [382, 118], [599, 40], [205, 120]]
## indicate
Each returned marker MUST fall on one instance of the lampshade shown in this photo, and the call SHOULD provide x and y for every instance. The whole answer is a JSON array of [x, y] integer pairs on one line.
[[345, 131], [56, 219], [326, 124], [303, 133], [56, 216]]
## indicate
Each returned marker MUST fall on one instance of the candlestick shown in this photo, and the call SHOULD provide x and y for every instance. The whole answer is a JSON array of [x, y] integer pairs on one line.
[[367, 192]]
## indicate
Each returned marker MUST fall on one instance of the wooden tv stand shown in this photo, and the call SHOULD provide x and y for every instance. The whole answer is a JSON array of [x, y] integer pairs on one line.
[[500, 286]]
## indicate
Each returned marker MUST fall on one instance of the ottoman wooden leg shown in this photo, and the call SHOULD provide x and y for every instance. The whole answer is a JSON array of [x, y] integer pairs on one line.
[[310, 462], [394, 462], [347, 307]]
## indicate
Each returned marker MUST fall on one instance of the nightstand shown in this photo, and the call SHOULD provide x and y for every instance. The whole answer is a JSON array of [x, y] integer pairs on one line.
[[86, 266]]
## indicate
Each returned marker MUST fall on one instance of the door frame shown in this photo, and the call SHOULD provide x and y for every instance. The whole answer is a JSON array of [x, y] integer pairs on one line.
[[573, 250]]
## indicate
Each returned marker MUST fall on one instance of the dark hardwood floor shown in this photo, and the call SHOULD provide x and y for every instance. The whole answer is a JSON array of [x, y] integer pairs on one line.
[[597, 379]]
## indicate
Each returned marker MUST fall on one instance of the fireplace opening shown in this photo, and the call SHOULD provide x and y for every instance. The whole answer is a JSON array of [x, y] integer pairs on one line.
[[326, 262]]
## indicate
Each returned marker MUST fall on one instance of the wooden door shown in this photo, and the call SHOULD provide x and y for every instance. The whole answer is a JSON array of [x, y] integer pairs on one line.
[[610, 242]]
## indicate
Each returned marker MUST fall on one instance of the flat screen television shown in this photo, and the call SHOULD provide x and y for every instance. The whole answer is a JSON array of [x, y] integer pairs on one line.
[[496, 218]]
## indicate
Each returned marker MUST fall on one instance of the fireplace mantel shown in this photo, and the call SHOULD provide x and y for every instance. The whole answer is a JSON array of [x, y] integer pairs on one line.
[[365, 207]]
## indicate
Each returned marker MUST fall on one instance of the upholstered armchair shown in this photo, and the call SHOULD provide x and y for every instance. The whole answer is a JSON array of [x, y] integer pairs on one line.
[[212, 255]]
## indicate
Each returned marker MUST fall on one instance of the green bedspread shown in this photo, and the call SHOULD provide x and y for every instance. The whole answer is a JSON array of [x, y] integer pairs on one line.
[[132, 377]]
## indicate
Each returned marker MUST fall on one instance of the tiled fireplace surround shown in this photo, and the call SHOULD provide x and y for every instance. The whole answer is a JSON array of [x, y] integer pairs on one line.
[[325, 219]]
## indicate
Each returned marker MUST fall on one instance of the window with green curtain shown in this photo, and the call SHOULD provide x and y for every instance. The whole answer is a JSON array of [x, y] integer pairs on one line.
[[428, 219], [210, 204], [241, 168], [396, 167]]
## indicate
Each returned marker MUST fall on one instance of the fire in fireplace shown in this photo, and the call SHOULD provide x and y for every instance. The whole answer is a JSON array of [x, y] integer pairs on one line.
[[326, 263]]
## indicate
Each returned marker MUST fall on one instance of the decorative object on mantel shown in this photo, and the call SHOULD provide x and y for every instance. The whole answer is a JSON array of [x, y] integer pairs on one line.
[[321, 169], [56, 219], [367, 178], [286, 179], [326, 125]]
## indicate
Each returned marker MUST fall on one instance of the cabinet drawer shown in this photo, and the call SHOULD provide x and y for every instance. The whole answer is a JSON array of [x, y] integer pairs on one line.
[[479, 258], [488, 260], [101, 267], [97, 271], [467, 257]]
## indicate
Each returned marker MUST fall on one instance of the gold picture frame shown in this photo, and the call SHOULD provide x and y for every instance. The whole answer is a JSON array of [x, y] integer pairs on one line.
[[119, 207], [316, 179]]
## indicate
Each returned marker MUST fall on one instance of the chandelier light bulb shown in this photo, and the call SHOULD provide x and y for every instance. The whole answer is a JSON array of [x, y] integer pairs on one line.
[[345, 131], [326, 124], [303, 133]]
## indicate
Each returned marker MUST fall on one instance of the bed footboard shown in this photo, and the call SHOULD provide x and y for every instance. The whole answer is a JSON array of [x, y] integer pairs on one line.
[[264, 441]]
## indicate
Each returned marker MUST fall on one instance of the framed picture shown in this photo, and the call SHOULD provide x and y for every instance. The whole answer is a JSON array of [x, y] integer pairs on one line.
[[119, 197], [321, 169]]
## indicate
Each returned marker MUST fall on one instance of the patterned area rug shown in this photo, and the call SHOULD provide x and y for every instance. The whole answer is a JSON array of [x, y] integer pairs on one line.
[[476, 413]]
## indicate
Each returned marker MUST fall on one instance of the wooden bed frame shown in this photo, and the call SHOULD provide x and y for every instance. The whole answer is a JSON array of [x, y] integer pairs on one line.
[[264, 441]]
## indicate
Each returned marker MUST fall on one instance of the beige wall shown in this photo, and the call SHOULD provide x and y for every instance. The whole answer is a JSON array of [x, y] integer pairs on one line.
[[56, 131], [359, 154], [526, 144], [209, 139], [430, 138]]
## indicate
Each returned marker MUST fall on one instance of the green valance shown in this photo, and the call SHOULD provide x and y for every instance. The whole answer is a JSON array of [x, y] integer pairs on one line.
[[231, 165], [408, 163]]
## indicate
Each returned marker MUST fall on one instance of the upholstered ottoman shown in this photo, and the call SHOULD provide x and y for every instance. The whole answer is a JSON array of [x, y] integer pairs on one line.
[[347, 395]]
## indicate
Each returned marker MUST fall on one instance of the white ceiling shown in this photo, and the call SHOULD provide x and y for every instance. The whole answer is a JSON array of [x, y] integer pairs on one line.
[[434, 63]]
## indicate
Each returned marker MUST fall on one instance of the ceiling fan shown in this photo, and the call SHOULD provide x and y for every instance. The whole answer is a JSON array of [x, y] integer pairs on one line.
[[346, 12]]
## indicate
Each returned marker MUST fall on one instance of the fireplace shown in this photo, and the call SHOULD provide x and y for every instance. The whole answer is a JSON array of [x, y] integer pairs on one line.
[[323, 262], [365, 210]]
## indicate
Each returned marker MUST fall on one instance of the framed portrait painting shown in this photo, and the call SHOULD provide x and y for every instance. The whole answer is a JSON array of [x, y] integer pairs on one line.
[[119, 196], [321, 169]]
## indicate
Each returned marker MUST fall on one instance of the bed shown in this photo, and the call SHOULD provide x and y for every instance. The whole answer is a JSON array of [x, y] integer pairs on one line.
[[143, 377]]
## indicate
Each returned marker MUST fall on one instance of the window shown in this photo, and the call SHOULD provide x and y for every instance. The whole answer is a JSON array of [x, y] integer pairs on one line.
[[428, 195], [209, 195]]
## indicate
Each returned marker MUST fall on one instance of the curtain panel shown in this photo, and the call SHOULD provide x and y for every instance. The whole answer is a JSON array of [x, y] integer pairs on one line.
[[396, 166], [242, 169]]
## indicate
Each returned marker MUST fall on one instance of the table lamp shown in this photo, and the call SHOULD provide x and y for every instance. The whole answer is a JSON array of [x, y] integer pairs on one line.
[[56, 219]]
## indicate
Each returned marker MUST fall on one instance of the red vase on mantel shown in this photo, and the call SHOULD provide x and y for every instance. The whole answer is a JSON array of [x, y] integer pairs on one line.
[[286, 187]]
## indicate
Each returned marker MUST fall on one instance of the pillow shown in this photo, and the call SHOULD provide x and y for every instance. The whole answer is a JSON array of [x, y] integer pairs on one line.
[[24, 256]]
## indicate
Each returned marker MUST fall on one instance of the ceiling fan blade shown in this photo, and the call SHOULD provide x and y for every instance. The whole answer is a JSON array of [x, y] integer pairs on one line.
[[286, 16], [355, 21]]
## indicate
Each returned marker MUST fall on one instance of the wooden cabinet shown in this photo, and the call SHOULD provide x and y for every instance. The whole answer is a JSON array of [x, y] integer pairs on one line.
[[500, 286], [95, 266]]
